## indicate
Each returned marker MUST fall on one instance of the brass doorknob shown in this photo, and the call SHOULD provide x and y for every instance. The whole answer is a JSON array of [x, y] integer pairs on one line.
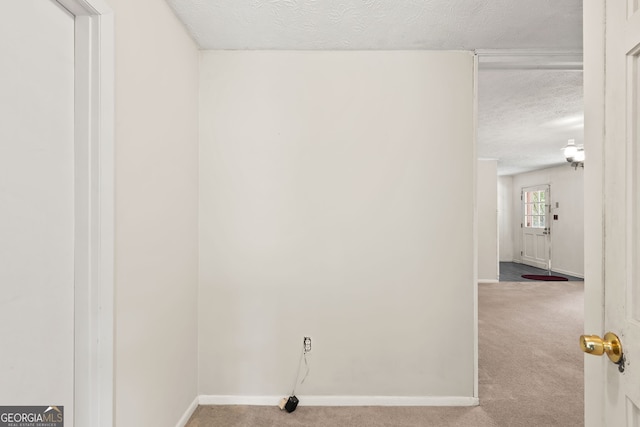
[[610, 344]]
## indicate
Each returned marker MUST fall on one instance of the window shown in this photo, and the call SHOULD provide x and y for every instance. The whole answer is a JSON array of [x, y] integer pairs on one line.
[[534, 209]]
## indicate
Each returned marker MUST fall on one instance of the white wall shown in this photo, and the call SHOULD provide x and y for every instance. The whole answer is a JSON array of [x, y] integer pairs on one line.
[[567, 233], [487, 205], [36, 205], [156, 78], [324, 212], [505, 218]]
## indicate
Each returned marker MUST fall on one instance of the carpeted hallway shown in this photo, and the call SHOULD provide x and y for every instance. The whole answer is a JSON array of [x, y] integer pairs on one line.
[[530, 371], [530, 364]]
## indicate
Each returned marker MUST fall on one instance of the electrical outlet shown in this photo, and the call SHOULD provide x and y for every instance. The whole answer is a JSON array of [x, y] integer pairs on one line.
[[307, 344]]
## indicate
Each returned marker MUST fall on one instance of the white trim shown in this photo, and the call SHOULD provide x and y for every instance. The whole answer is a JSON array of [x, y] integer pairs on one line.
[[530, 59], [94, 194], [188, 413], [343, 400], [86, 7], [475, 228], [567, 272], [239, 400], [104, 305], [488, 281], [557, 270], [594, 136]]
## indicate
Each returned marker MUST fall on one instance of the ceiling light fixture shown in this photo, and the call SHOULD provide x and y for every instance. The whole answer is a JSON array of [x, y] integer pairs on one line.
[[574, 154]]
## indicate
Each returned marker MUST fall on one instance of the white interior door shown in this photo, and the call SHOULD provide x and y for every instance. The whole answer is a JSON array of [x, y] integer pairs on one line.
[[612, 78], [535, 226], [622, 203], [37, 205]]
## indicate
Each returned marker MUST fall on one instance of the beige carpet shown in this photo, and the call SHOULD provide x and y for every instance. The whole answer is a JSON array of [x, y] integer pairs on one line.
[[530, 371]]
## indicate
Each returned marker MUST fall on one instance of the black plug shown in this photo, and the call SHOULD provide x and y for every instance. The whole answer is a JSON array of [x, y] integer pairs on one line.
[[292, 404]]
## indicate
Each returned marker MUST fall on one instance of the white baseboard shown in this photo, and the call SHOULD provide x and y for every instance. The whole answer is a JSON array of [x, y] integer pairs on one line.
[[568, 273], [488, 281], [344, 400], [557, 270], [187, 414], [239, 400]]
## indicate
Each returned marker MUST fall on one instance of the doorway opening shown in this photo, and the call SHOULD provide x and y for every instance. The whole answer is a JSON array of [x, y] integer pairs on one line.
[[527, 109]]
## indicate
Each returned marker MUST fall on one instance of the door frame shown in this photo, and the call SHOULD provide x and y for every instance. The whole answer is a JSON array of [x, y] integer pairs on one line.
[[94, 212], [594, 133]]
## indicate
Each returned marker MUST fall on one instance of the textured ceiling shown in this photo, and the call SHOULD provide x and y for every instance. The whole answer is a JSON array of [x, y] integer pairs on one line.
[[382, 24], [524, 116]]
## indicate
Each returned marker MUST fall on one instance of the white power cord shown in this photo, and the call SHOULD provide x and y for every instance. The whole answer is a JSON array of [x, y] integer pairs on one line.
[[305, 349]]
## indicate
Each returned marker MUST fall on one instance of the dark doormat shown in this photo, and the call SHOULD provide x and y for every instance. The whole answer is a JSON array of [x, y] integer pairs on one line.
[[545, 277]]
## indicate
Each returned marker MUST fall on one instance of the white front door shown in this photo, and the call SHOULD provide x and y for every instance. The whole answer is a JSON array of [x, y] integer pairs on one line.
[[37, 205], [612, 292], [535, 226]]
